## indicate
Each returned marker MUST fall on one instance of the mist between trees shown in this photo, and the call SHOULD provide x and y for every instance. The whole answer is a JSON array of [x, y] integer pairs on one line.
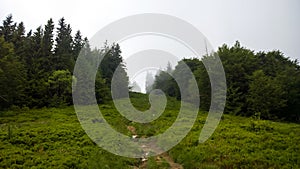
[[36, 71]]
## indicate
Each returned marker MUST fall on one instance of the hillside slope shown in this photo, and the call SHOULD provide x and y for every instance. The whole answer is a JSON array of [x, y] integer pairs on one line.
[[53, 138]]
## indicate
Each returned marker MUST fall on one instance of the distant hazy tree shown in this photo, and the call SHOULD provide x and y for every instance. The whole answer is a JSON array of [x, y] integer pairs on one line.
[[135, 87], [183, 75], [149, 82], [166, 83], [120, 85], [169, 68]]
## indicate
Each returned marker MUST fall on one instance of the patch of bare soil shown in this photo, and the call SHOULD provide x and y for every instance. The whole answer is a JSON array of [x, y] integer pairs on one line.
[[158, 158]]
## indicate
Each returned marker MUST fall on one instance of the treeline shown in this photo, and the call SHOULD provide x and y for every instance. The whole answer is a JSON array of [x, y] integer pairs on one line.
[[36, 71], [263, 84], [36, 67]]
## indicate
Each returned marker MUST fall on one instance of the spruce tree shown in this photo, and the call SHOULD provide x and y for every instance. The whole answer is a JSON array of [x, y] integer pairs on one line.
[[47, 46], [8, 28], [63, 50]]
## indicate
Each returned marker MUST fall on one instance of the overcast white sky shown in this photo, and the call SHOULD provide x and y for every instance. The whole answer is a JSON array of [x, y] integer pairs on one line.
[[257, 24]]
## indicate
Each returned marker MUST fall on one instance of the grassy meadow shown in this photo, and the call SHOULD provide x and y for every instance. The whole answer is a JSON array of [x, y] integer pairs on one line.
[[53, 138]]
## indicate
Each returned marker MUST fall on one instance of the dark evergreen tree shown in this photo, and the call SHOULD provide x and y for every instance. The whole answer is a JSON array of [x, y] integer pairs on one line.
[[8, 28], [12, 76], [203, 82], [63, 58], [112, 59], [77, 44], [19, 40], [47, 46], [238, 63], [33, 74], [83, 78]]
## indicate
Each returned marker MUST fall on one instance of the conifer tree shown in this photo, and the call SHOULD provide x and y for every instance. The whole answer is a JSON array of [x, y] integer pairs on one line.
[[63, 50]]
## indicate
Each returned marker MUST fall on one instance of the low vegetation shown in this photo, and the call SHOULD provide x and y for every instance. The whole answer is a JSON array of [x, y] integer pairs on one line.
[[53, 138]]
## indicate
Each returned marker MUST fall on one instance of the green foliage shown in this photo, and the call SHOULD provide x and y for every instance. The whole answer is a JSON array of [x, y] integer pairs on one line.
[[47, 40], [7, 29], [12, 76], [240, 142], [63, 48], [260, 83], [27, 62], [265, 95], [263, 83], [77, 44], [36, 70], [152, 163], [166, 83], [111, 61], [257, 125], [100, 159], [53, 138], [204, 86], [182, 75], [120, 83], [59, 88], [50, 138], [238, 63]]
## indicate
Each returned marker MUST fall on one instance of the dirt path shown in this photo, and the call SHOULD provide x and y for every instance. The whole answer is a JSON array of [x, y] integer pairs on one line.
[[158, 158]]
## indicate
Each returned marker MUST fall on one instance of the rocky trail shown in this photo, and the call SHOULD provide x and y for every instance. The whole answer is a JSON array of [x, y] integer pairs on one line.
[[158, 158]]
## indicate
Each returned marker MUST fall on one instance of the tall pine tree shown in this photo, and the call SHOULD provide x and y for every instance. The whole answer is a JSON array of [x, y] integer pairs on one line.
[[63, 50]]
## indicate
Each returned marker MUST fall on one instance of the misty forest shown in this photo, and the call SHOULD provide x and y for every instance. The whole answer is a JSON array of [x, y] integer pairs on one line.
[[39, 128]]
